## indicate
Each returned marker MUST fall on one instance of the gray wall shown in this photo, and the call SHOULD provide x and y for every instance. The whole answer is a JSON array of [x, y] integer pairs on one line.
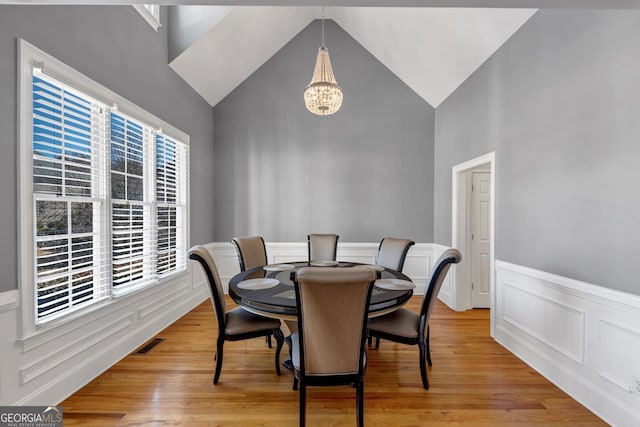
[[560, 105], [363, 173], [188, 23], [114, 46]]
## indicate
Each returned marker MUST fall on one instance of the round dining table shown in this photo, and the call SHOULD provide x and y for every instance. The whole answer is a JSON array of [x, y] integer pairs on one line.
[[277, 298]]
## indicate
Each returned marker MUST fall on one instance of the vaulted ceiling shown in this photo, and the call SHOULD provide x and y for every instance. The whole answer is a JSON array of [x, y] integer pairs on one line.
[[432, 50], [431, 45]]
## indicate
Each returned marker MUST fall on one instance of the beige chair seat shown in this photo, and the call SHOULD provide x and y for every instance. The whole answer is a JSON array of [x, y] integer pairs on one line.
[[240, 321], [402, 323]]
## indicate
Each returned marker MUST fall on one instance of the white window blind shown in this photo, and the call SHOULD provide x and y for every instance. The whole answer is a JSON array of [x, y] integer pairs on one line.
[[68, 144], [109, 200], [131, 149], [171, 185]]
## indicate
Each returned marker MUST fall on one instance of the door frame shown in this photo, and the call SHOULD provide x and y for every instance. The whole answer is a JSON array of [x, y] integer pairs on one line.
[[460, 229]]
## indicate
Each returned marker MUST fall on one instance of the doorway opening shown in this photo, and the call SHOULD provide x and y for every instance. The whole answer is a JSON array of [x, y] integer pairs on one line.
[[473, 233]]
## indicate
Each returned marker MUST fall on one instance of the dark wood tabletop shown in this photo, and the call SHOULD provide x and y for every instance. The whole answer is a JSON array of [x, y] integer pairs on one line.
[[280, 301]]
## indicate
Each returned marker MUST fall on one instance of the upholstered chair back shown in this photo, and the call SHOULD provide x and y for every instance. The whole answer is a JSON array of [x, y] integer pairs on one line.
[[322, 247], [392, 252], [449, 257], [216, 292], [251, 252], [333, 303]]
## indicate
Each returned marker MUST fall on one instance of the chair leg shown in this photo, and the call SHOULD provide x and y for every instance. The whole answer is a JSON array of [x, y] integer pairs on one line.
[[303, 403], [360, 403], [219, 355], [423, 367], [288, 363], [279, 343], [369, 338], [428, 347], [268, 339], [377, 343], [295, 382]]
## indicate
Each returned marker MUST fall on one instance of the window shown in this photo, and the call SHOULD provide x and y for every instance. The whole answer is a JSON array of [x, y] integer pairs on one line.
[[66, 133], [150, 13], [171, 158], [107, 190]]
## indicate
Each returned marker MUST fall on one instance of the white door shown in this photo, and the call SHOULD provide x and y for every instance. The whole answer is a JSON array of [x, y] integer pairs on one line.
[[480, 245]]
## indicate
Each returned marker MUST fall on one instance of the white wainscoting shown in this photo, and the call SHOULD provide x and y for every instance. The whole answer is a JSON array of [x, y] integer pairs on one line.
[[583, 338], [417, 264], [8, 301], [59, 359]]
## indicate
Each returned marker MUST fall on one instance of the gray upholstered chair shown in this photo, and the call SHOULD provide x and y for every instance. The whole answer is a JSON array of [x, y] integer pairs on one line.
[[329, 347], [251, 252], [322, 247], [236, 324], [392, 252], [405, 326]]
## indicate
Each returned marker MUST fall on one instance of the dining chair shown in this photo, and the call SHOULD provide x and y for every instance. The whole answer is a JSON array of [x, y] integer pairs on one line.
[[236, 324], [322, 247], [406, 327], [251, 252], [329, 347], [392, 252]]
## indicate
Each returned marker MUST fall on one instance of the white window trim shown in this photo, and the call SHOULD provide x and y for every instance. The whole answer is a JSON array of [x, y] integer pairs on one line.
[[150, 13], [28, 55]]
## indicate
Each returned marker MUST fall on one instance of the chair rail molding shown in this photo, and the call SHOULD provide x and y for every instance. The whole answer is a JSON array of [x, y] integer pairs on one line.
[[583, 338]]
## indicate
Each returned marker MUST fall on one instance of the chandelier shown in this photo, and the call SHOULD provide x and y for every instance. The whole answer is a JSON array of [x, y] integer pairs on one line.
[[323, 96]]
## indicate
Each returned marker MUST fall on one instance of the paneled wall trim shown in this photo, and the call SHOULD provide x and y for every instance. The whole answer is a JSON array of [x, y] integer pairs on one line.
[[417, 264], [584, 338], [8, 300], [46, 368]]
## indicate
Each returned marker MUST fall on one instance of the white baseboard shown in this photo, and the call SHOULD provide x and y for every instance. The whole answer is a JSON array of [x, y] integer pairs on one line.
[[583, 338], [417, 264], [47, 368]]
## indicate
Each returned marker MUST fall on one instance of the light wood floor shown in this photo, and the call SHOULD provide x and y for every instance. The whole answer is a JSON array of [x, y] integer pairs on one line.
[[474, 382]]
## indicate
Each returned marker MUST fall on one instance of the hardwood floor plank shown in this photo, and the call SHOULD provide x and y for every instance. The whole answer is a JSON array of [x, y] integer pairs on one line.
[[474, 381]]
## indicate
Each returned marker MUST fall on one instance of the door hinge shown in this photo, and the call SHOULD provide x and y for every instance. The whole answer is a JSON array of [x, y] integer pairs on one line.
[[471, 236], [472, 286]]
